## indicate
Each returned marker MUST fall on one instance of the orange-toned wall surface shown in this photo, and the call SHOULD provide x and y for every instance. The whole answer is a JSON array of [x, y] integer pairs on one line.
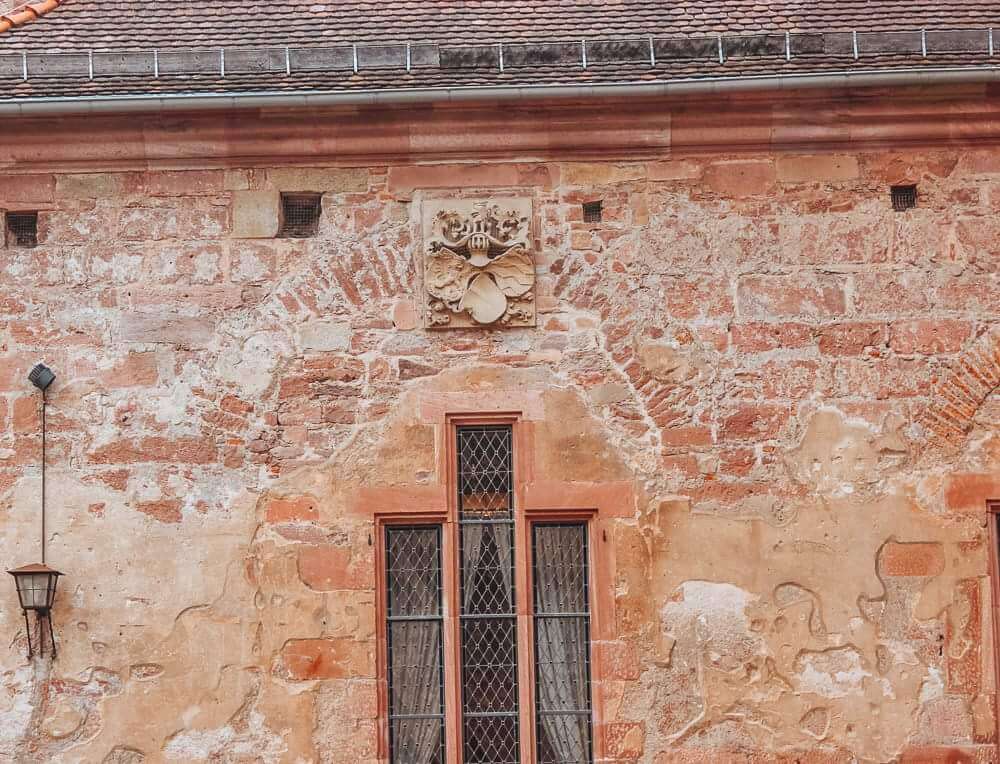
[[778, 394]]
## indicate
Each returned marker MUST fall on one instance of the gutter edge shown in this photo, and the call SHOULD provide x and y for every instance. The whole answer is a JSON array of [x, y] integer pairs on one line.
[[59, 105]]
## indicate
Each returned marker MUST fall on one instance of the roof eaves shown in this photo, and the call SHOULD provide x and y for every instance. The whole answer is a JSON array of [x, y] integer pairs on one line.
[[25, 13]]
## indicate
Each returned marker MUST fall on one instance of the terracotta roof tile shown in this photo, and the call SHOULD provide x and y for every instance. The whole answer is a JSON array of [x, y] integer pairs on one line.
[[25, 13], [106, 47]]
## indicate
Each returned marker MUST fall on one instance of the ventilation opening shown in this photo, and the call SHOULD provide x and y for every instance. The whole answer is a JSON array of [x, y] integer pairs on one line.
[[22, 228], [593, 211], [904, 198], [299, 215]]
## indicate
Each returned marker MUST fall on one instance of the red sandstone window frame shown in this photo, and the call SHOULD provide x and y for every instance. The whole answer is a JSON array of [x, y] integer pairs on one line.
[[993, 513], [525, 517]]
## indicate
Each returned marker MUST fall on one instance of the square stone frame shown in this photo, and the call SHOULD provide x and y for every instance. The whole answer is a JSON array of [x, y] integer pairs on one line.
[[427, 200], [526, 514]]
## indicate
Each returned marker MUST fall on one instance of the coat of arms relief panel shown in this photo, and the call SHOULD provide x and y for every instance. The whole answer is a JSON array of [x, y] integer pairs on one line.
[[479, 269]]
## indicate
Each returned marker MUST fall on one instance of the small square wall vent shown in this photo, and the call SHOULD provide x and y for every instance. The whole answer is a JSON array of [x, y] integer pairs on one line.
[[299, 215], [22, 229], [903, 197], [593, 211]]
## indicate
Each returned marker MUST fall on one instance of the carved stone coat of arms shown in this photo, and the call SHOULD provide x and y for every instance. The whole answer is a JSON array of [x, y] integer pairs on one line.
[[478, 268]]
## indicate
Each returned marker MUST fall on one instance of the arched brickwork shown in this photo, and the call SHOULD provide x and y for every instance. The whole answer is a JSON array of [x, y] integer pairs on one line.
[[949, 415]]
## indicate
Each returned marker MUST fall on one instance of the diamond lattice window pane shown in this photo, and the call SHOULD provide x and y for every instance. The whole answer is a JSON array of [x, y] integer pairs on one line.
[[415, 667], [414, 635], [417, 741], [564, 739], [413, 559], [491, 740], [560, 568], [487, 568], [562, 643], [485, 471], [489, 665]]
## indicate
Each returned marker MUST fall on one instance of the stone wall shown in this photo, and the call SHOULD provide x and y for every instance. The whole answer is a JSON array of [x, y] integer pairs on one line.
[[779, 393]]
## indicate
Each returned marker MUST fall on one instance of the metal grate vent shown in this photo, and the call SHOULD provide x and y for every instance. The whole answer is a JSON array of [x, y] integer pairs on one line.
[[903, 197], [299, 215], [22, 228], [593, 211]]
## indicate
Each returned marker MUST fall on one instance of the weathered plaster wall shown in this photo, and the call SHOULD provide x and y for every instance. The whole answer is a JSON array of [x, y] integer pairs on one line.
[[783, 392]]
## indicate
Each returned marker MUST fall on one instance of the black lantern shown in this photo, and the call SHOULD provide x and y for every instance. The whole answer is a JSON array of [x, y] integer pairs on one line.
[[36, 583], [36, 589]]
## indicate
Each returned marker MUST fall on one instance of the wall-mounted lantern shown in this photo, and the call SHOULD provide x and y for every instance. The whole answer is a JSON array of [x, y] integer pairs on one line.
[[36, 583], [36, 588]]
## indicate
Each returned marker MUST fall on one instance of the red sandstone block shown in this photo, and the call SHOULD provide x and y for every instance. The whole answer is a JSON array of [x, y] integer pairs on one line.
[[971, 293], [755, 422], [968, 492], [235, 405], [164, 510], [625, 740], [306, 659], [758, 337], [155, 449], [892, 292], [697, 297], [817, 168], [803, 294], [740, 178], [684, 465], [685, 169], [851, 338], [137, 370], [291, 509], [26, 415], [691, 435], [912, 559], [404, 315], [985, 754], [620, 660], [24, 189], [791, 379], [929, 336], [185, 183], [481, 175], [328, 568], [964, 638], [880, 378], [737, 461]]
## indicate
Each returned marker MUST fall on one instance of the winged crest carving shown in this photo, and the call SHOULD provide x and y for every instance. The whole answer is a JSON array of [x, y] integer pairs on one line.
[[478, 269]]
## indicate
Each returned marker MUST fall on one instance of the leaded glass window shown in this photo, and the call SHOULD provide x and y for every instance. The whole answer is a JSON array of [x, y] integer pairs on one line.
[[562, 643], [414, 641], [484, 644], [488, 612]]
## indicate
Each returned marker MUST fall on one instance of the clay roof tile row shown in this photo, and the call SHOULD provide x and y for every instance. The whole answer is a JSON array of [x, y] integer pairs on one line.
[[114, 47], [25, 13]]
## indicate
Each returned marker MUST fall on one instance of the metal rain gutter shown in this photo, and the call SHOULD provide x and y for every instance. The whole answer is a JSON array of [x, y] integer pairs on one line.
[[374, 97]]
